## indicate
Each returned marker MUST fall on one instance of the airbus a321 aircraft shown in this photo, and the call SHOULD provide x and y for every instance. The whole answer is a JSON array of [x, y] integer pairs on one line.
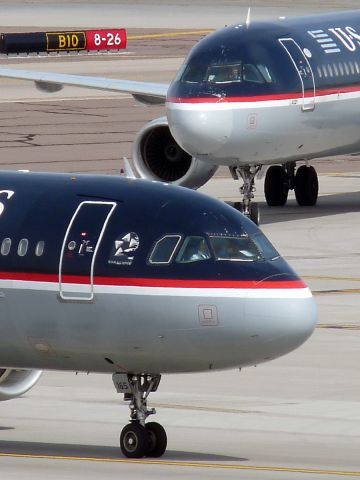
[[136, 279], [265, 93]]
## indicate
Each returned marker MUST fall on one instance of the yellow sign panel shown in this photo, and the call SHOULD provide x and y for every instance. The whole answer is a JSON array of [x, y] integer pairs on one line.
[[65, 41]]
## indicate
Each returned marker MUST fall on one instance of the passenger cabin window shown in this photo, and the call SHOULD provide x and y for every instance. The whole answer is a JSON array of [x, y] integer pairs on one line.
[[164, 249], [238, 249], [328, 71], [194, 249], [5, 246], [22, 247], [39, 249]]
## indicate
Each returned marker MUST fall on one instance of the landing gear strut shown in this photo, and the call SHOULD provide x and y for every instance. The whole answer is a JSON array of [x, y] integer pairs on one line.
[[280, 179], [247, 207], [138, 439]]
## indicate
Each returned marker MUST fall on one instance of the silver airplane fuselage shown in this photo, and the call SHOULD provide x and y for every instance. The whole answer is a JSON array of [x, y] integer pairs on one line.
[[296, 93], [81, 302]]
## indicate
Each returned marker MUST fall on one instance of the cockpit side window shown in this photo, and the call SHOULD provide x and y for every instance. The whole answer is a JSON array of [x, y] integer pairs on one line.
[[193, 73], [252, 74], [265, 72], [267, 250], [164, 249], [236, 249], [194, 249]]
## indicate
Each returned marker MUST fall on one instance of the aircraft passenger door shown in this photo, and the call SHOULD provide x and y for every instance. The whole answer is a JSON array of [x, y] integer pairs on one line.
[[80, 247], [304, 70]]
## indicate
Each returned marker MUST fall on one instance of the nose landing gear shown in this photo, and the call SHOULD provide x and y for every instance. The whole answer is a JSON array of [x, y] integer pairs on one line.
[[139, 439], [247, 207]]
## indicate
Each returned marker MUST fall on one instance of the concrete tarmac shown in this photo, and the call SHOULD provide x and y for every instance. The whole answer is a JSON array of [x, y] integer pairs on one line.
[[294, 418], [155, 13]]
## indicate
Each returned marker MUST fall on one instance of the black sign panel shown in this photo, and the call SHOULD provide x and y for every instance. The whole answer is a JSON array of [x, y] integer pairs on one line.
[[36, 42], [23, 42]]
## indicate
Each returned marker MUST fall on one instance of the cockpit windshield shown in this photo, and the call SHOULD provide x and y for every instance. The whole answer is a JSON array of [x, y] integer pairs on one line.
[[237, 248], [243, 248], [229, 73]]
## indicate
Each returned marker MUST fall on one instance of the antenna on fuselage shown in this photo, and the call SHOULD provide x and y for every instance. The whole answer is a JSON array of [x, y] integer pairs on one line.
[[248, 17]]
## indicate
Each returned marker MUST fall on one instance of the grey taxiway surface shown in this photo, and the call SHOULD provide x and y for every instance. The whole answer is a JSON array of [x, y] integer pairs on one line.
[[296, 417]]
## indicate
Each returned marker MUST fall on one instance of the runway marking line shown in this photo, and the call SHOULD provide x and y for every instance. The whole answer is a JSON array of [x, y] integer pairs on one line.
[[188, 464], [334, 326], [330, 277], [347, 291], [169, 34]]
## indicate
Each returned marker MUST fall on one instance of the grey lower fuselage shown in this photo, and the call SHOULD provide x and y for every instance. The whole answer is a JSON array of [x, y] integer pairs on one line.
[[147, 331], [248, 133]]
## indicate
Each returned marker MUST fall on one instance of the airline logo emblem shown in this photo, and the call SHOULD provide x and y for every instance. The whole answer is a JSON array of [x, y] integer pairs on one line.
[[332, 39], [124, 249]]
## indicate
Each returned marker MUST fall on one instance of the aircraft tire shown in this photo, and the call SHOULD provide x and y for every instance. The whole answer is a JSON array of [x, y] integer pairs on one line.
[[255, 213], [157, 439], [276, 186], [134, 441], [306, 186]]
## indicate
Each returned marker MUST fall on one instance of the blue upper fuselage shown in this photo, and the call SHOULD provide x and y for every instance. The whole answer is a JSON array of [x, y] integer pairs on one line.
[[38, 221], [248, 61]]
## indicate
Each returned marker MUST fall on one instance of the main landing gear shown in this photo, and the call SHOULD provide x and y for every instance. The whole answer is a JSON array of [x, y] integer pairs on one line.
[[138, 439], [280, 179]]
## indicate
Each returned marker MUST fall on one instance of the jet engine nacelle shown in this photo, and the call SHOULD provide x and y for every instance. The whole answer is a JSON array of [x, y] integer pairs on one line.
[[157, 156], [14, 383]]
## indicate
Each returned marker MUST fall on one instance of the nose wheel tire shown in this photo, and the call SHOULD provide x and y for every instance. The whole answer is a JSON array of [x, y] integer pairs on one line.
[[137, 441], [157, 439], [134, 441], [276, 186], [253, 211], [306, 186]]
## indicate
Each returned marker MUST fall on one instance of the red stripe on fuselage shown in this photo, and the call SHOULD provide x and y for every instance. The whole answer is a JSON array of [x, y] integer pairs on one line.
[[267, 98], [151, 282]]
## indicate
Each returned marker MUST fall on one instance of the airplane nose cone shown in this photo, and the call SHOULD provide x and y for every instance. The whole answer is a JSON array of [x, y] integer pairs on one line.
[[200, 131], [286, 322]]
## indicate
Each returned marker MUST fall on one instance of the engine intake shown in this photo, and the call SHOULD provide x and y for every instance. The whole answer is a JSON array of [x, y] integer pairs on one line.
[[157, 156]]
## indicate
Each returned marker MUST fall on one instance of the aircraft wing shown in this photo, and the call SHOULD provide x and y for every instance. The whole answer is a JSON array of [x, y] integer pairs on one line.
[[145, 92]]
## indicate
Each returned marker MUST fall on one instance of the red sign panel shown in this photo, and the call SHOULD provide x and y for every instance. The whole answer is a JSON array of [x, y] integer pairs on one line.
[[113, 39]]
